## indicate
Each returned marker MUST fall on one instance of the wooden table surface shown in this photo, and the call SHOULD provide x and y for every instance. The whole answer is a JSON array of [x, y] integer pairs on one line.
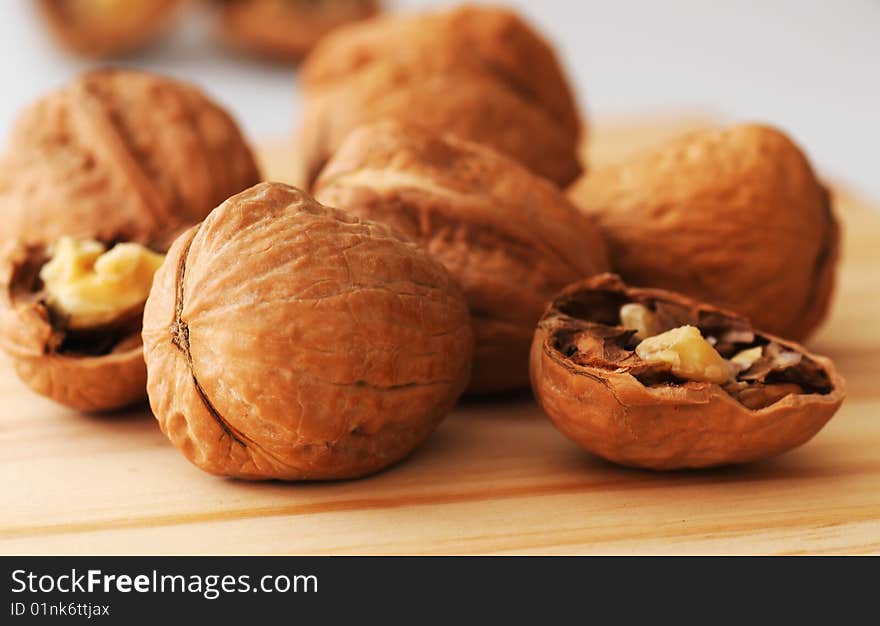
[[496, 477]]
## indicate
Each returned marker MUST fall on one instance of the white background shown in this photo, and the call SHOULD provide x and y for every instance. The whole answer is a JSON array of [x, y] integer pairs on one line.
[[809, 66]]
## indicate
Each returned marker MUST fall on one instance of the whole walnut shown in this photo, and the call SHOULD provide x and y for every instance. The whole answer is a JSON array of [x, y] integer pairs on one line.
[[494, 40], [288, 340], [287, 30], [650, 378], [735, 217], [480, 73], [120, 155], [511, 238], [107, 27], [116, 162]]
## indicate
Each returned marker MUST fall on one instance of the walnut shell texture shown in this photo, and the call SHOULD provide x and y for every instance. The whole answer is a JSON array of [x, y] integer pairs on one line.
[[468, 104], [511, 238], [603, 406], [494, 40], [735, 217], [287, 340], [287, 30], [81, 31], [114, 378], [120, 155]]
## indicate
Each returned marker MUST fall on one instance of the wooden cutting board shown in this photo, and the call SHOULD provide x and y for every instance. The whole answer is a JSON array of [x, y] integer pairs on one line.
[[496, 477]]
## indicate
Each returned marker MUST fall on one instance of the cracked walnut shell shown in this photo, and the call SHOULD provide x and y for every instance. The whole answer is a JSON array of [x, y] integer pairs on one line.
[[627, 400], [287, 340], [120, 155], [285, 30], [511, 238], [735, 217], [116, 156], [96, 368]]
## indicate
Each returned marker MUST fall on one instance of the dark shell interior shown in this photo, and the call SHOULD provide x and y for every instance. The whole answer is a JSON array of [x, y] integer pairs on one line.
[[589, 332]]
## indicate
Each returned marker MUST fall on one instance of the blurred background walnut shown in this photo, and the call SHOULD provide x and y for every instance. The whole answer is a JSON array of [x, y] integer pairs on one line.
[[107, 27], [511, 238], [120, 155], [482, 73], [286, 29]]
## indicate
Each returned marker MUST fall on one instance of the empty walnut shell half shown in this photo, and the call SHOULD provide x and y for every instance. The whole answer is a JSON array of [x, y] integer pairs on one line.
[[590, 377], [120, 155], [287, 30], [107, 27], [735, 217], [511, 238], [91, 369], [287, 340], [494, 40]]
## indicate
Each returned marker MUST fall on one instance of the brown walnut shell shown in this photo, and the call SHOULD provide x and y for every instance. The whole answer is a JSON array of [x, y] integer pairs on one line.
[[98, 370], [115, 156], [598, 392], [287, 30], [735, 217], [82, 31], [494, 40], [288, 340], [472, 105], [511, 238], [120, 155]]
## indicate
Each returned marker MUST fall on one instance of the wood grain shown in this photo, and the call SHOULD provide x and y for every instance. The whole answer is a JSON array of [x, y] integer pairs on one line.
[[496, 478]]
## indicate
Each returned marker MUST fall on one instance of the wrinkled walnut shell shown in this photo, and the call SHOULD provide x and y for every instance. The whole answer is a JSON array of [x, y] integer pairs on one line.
[[287, 340], [120, 155], [509, 237], [598, 392], [287, 31], [734, 217], [96, 371], [80, 33], [494, 40], [468, 104]]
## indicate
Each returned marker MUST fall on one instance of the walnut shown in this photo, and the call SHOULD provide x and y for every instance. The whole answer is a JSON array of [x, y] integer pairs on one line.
[[116, 162], [107, 27], [481, 73], [288, 340], [734, 217], [285, 30], [511, 238], [119, 155], [708, 390]]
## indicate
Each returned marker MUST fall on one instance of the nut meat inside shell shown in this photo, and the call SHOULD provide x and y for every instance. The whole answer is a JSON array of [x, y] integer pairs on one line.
[[92, 369], [116, 156], [284, 339], [593, 385], [511, 238]]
